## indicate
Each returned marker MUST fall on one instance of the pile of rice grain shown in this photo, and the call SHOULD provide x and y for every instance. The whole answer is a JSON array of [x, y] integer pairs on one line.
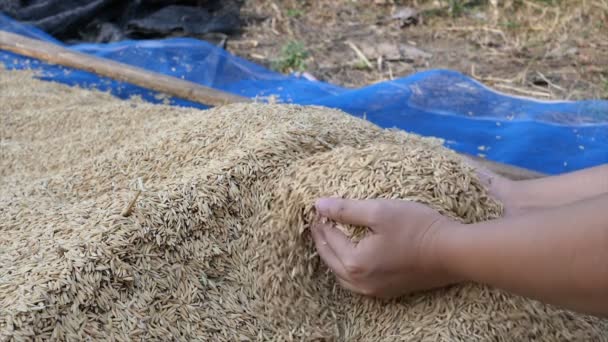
[[217, 247]]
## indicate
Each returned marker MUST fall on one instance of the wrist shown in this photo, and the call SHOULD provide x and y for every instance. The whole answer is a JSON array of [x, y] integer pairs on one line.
[[447, 244], [518, 196], [525, 196]]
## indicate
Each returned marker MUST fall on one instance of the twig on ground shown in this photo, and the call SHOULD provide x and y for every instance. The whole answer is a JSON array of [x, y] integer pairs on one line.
[[549, 83], [360, 55], [476, 28], [523, 91]]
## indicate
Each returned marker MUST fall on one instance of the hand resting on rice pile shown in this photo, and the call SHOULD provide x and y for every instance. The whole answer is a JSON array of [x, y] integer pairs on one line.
[[218, 245]]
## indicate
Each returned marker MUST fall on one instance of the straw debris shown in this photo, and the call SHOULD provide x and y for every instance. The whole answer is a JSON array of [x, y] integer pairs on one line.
[[216, 245]]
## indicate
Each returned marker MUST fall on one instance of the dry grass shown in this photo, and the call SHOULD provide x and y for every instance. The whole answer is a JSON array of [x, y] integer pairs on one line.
[[215, 246], [545, 49]]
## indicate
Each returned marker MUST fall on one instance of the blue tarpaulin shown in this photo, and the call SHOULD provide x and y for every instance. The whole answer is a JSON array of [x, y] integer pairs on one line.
[[551, 137]]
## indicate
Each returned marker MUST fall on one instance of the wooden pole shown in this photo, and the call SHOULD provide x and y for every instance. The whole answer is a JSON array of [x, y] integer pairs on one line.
[[173, 86]]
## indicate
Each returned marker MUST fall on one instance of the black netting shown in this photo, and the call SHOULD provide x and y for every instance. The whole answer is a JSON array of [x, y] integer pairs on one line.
[[113, 20]]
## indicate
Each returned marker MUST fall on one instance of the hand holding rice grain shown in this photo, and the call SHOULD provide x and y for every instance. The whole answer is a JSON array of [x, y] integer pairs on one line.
[[217, 245], [397, 258]]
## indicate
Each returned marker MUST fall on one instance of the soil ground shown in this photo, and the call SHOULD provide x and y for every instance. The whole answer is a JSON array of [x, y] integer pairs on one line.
[[547, 49]]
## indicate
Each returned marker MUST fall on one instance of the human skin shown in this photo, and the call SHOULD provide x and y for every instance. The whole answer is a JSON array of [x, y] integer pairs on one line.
[[547, 192], [551, 245]]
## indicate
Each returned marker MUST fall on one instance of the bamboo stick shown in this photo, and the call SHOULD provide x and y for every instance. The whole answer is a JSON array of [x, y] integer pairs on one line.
[[54, 54]]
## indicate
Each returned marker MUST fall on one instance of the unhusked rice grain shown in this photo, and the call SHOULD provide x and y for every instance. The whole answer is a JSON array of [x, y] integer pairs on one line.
[[216, 246]]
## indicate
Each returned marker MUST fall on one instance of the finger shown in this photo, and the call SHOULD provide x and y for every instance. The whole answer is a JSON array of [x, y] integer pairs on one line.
[[326, 252], [485, 175], [340, 244], [356, 212]]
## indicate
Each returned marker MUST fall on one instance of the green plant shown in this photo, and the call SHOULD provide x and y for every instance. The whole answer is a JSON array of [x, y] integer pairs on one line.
[[293, 57], [510, 24], [455, 8], [549, 2], [294, 12], [361, 65]]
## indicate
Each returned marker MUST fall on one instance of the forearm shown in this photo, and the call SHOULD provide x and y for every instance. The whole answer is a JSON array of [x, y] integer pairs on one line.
[[558, 256], [560, 190]]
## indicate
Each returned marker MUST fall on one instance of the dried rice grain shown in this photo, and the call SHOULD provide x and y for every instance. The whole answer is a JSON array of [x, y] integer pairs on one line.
[[216, 246]]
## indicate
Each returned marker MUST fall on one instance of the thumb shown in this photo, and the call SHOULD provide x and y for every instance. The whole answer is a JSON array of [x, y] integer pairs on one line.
[[484, 174], [355, 212]]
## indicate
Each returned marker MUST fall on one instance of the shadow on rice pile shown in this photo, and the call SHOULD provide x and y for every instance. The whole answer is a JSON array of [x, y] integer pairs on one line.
[[216, 247]]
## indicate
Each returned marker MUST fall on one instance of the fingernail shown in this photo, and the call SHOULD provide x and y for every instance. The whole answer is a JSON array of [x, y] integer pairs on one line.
[[322, 205]]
